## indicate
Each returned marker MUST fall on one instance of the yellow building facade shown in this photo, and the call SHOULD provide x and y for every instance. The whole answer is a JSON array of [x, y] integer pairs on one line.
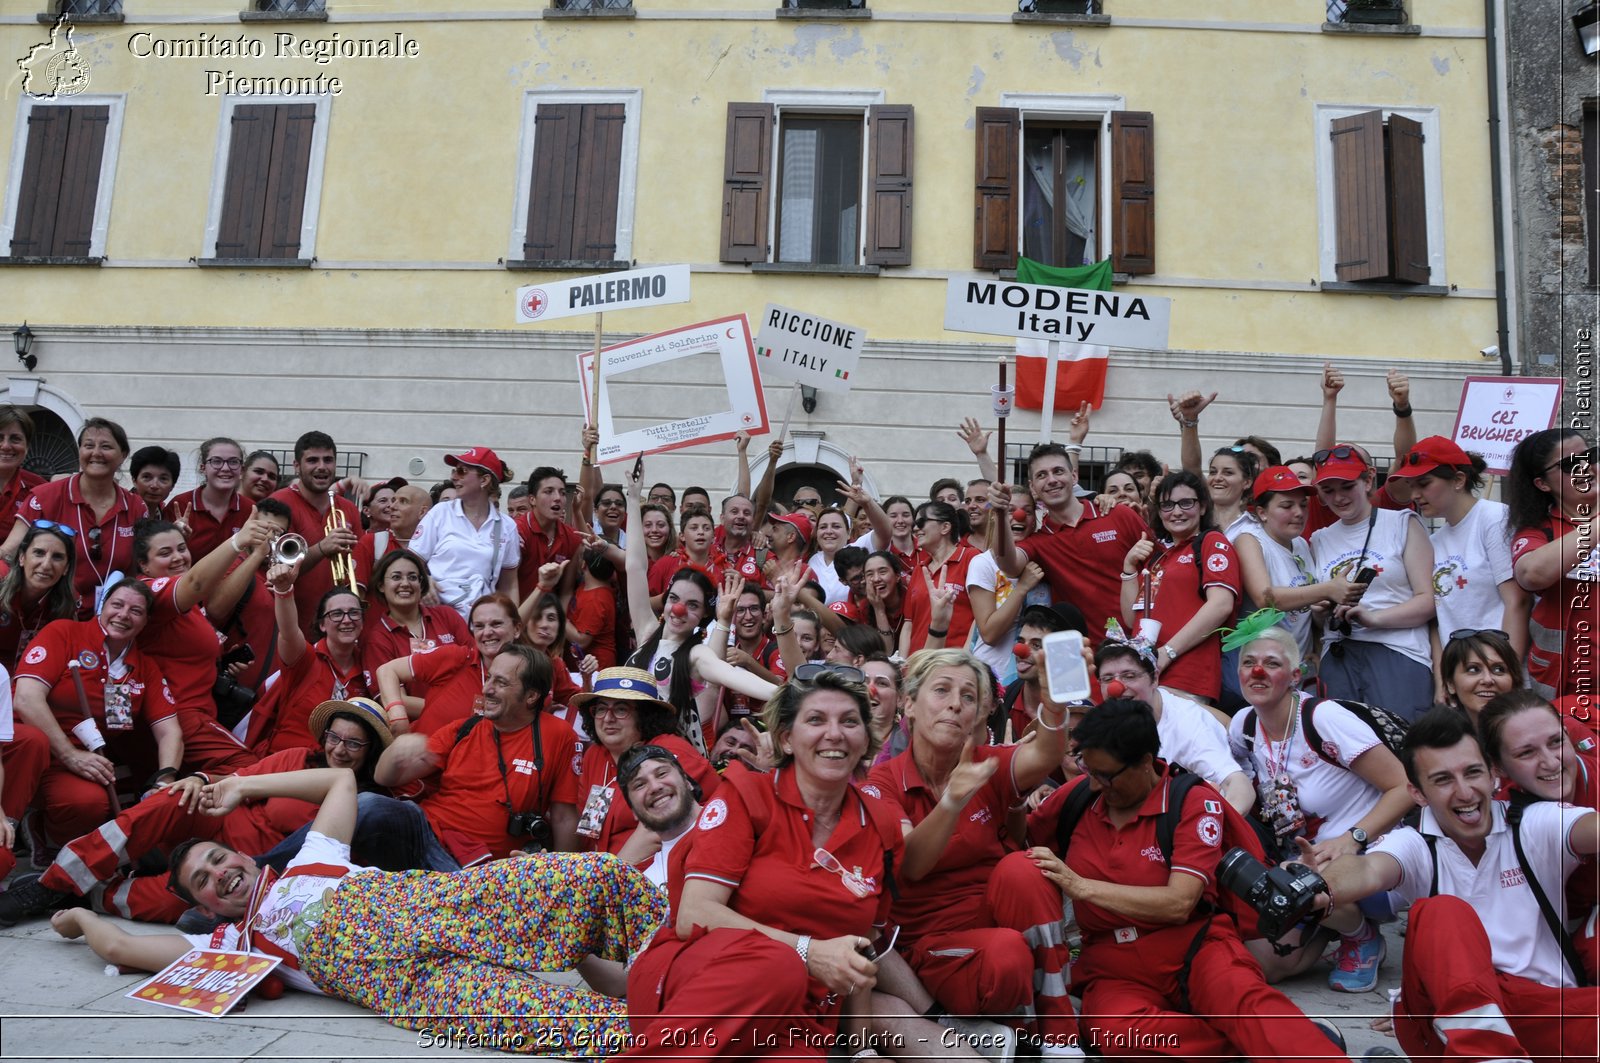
[[390, 320]]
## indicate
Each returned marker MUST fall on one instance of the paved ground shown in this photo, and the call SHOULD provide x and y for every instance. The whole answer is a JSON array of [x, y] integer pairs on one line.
[[58, 1003]]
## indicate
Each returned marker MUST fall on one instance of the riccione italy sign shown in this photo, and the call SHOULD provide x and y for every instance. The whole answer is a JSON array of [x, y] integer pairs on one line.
[[1072, 315]]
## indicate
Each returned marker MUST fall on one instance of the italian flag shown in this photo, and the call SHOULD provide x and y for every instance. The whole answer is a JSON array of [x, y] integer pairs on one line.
[[1081, 374]]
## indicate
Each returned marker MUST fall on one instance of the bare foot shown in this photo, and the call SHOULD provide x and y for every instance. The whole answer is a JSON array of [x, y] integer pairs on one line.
[[67, 922]]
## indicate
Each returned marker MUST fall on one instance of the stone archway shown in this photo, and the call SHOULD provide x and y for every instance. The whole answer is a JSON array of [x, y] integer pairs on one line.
[[810, 456], [57, 419]]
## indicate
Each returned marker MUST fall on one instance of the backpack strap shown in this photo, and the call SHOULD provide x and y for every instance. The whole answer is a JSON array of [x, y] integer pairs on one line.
[[1250, 731], [1551, 919], [1433, 858], [466, 727], [1178, 788], [1072, 810]]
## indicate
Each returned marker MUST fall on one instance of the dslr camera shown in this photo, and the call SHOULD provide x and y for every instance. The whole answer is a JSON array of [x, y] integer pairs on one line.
[[1280, 896], [233, 699], [1364, 578], [535, 828]]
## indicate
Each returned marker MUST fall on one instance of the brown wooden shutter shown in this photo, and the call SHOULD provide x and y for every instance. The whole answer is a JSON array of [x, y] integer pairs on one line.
[[594, 215], [283, 207], [1133, 184], [994, 232], [746, 182], [42, 162], [1361, 200], [892, 147], [557, 129], [80, 181], [245, 188], [1408, 215]]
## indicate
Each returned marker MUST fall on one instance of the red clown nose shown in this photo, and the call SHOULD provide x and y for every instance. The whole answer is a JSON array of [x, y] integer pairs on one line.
[[1019, 514], [1022, 651], [678, 609], [1114, 689], [1258, 672]]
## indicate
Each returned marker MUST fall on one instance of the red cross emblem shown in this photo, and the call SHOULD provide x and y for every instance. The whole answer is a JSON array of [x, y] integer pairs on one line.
[[535, 303]]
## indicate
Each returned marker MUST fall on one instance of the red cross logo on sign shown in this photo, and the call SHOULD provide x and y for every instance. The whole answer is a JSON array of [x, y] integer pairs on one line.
[[535, 303]]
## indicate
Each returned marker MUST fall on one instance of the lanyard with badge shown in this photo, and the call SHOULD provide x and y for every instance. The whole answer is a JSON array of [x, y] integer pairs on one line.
[[597, 807], [116, 692]]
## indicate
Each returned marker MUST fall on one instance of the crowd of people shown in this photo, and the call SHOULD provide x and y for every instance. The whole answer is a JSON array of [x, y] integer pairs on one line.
[[786, 776]]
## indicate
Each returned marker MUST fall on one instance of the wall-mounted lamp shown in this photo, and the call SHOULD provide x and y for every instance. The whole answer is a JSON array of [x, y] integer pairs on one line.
[[22, 340], [1587, 22], [808, 398]]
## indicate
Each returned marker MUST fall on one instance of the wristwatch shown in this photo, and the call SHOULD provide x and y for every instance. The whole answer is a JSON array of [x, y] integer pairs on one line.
[[1360, 836]]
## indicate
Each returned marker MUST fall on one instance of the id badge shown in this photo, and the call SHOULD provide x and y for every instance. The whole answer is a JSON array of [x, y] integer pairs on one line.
[[119, 707], [422, 645], [595, 810]]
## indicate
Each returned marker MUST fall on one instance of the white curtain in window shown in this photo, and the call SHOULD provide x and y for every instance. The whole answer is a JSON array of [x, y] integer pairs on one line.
[[799, 195]]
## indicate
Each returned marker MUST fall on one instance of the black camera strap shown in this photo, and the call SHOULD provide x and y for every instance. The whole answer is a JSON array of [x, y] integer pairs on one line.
[[1372, 522], [538, 763]]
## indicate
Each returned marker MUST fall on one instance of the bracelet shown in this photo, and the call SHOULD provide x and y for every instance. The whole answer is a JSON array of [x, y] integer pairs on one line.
[[1403, 411], [1129, 576], [785, 631], [164, 773], [388, 710], [1039, 719], [280, 594], [802, 945], [932, 634], [886, 631], [1072, 448], [1189, 424], [233, 541]]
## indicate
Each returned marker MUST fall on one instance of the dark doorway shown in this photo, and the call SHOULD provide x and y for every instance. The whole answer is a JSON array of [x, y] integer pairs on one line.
[[793, 477], [54, 448]]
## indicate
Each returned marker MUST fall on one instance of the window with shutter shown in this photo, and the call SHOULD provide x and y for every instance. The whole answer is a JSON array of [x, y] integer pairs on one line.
[[1066, 181], [271, 177], [1380, 177], [58, 202], [831, 187], [1591, 190], [575, 185]]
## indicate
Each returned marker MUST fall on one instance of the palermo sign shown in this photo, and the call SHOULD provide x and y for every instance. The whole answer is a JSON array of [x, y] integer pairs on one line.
[[655, 286], [1073, 315]]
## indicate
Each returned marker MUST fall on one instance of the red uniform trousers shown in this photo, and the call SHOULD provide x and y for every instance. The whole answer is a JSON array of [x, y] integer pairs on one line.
[[725, 994], [1130, 993], [1020, 962], [1454, 1005], [210, 747], [72, 805], [24, 760], [158, 822]]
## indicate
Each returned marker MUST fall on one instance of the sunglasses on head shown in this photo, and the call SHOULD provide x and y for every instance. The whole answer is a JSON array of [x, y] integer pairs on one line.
[[1473, 632], [805, 673], [59, 529], [1340, 453], [1573, 462]]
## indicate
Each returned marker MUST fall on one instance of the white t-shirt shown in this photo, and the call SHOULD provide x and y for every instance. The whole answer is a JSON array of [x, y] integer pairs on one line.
[[1244, 522], [465, 562], [834, 589], [1337, 550], [1470, 561], [1193, 738], [1337, 796], [1519, 941], [293, 906], [1291, 567], [985, 574], [8, 726]]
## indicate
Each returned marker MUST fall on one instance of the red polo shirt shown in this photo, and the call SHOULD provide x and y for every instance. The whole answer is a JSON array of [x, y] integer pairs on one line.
[[772, 874], [20, 621], [1083, 562], [453, 676], [62, 501], [1178, 587], [311, 523], [540, 547], [951, 896], [206, 532], [12, 494], [85, 642], [953, 571], [594, 613], [385, 639], [184, 645], [471, 798], [1561, 655], [282, 716]]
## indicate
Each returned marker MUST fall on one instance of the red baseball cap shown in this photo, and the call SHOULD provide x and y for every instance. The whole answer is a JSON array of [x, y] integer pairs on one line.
[[1428, 455], [1343, 462], [1277, 478], [481, 458], [798, 521]]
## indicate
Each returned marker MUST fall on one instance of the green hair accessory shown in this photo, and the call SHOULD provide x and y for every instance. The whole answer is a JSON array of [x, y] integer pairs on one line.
[[1250, 628]]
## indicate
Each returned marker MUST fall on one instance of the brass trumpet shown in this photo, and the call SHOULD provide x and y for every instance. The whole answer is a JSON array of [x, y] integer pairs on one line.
[[342, 566]]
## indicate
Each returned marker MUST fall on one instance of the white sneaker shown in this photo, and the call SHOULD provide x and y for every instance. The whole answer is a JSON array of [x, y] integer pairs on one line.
[[990, 1039]]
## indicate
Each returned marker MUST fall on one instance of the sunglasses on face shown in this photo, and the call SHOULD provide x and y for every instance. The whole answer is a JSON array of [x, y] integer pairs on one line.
[[59, 529], [1581, 461]]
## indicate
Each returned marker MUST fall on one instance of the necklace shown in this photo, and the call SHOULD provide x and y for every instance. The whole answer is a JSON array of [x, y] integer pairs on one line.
[[1278, 758]]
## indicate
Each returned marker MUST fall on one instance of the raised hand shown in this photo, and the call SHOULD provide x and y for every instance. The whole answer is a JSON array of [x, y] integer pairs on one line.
[[1332, 380], [1078, 430], [1399, 388], [968, 777], [976, 439], [1138, 554], [1187, 406]]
